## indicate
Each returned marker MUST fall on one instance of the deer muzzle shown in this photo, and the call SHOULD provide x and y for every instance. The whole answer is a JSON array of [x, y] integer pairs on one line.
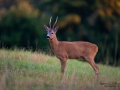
[[48, 37]]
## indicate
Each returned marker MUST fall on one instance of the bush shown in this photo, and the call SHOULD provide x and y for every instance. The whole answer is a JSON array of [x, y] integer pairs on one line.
[[21, 27]]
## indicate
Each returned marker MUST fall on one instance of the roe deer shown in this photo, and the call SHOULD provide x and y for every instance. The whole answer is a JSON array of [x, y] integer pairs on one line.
[[71, 50]]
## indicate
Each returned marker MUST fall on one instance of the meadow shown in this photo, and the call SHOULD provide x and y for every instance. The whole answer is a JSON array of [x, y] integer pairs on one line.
[[27, 70]]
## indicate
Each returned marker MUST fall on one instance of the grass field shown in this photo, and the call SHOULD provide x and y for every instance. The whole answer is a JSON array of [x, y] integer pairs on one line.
[[26, 70]]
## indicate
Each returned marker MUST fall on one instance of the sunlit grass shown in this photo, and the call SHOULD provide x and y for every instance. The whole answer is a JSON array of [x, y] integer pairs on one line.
[[26, 70]]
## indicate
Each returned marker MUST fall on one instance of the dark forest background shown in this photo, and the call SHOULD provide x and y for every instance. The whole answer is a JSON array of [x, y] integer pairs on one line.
[[97, 21]]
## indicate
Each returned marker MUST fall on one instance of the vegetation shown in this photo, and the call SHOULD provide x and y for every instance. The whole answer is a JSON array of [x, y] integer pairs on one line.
[[24, 70], [96, 21]]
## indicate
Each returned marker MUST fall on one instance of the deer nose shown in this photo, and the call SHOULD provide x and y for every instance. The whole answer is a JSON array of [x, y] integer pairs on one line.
[[48, 37]]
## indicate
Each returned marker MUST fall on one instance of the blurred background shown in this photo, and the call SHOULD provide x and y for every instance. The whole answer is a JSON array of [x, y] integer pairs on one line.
[[97, 21]]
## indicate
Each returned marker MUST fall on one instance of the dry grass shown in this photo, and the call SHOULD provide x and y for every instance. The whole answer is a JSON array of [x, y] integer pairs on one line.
[[23, 55], [24, 70]]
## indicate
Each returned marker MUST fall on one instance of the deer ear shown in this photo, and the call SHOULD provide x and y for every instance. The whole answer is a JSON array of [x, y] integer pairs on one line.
[[56, 28], [47, 28]]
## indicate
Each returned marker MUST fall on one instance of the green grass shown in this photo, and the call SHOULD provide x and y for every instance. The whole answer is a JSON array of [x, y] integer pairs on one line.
[[25, 70]]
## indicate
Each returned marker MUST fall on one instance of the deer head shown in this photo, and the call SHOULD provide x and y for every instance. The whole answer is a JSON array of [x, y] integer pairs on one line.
[[51, 31]]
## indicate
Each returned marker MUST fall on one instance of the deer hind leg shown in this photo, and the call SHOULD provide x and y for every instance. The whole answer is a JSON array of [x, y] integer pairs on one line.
[[97, 68], [94, 66], [96, 71]]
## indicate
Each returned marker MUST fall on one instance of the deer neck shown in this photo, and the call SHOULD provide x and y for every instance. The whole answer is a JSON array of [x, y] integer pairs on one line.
[[54, 43]]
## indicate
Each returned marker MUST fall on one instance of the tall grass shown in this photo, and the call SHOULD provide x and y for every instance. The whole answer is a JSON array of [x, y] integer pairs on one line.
[[26, 70]]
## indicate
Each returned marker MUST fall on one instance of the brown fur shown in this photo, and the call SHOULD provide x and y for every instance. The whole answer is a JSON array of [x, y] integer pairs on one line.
[[74, 50], [71, 50]]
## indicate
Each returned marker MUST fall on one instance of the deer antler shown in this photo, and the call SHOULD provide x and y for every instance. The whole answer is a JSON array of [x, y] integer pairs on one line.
[[50, 21], [55, 22]]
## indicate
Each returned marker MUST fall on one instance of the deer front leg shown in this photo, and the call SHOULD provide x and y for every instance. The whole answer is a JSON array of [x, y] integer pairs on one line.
[[63, 65]]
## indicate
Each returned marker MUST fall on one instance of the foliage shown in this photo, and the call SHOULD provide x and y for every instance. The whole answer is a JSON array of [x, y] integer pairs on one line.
[[20, 27], [96, 21]]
